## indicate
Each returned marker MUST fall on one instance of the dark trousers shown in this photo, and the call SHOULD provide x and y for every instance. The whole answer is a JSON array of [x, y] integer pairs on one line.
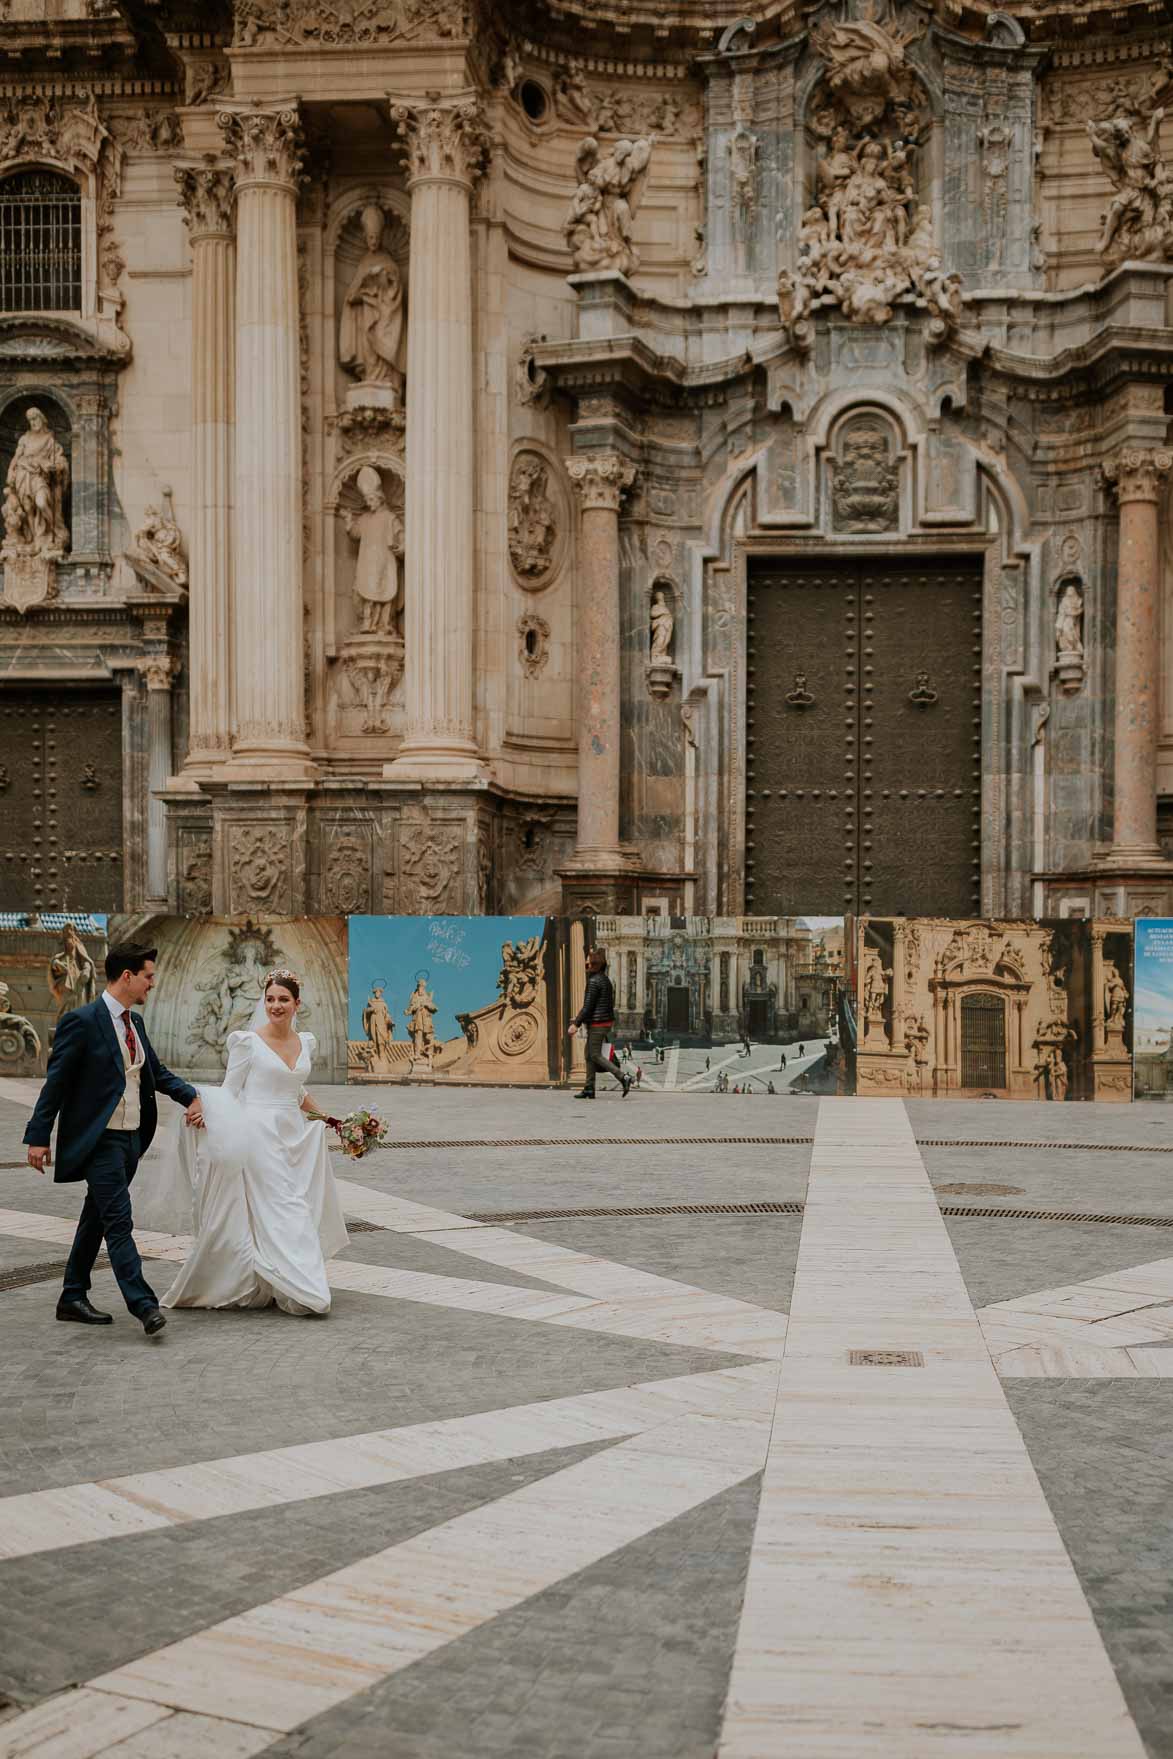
[[105, 1214], [595, 1060]]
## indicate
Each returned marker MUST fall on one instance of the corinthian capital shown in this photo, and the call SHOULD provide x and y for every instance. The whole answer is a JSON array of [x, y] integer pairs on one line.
[[1136, 475], [207, 192], [267, 144], [601, 478], [445, 141]]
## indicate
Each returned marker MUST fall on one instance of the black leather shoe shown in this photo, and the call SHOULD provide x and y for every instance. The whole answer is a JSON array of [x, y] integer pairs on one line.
[[81, 1313], [153, 1322], [584, 1095]]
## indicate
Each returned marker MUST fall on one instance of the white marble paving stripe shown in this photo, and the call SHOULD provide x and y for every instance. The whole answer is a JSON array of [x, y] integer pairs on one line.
[[630, 1303], [909, 1595], [1097, 1329], [86, 1513], [279, 1665], [83, 1724]]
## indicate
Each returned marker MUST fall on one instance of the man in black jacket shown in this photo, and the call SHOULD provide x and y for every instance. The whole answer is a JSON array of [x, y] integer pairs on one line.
[[100, 1090], [597, 1014]]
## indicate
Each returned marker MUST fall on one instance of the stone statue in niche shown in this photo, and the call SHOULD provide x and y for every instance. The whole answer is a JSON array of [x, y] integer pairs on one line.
[[1138, 223], [370, 334], [1070, 660], [533, 526], [663, 623], [378, 531], [598, 228], [865, 481], [34, 494], [159, 542]]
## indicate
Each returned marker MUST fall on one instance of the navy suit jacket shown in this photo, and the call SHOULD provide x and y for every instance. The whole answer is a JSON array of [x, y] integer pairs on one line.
[[85, 1082]]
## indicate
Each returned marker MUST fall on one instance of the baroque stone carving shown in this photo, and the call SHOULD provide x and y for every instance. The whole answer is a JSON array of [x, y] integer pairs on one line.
[[371, 329], [369, 427], [32, 126], [378, 532], [663, 624], [533, 523], [1137, 475], [159, 542], [1138, 222], [230, 985], [73, 975], [531, 382], [443, 140], [148, 131], [868, 241], [521, 972], [378, 1023], [195, 873], [19, 1043], [332, 24], [607, 109], [207, 193], [534, 644], [598, 227], [865, 479], [430, 866], [267, 145], [373, 666], [259, 869], [207, 77], [346, 875]]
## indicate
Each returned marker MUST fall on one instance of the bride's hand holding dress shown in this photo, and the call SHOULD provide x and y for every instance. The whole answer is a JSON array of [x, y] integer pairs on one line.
[[266, 1208]]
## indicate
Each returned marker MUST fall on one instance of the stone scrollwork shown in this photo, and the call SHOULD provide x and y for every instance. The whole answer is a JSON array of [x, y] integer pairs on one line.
[[867, 241], [207, 194], [601, 479], [267, 145], [598, 227], [534, 644], [448, 140], [1135, 474]]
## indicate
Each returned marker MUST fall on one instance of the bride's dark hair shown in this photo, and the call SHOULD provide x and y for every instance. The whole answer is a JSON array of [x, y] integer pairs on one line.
[[287, 980]]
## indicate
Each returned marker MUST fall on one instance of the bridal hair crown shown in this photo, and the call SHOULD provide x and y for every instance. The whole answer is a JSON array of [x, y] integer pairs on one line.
[[282, 976]]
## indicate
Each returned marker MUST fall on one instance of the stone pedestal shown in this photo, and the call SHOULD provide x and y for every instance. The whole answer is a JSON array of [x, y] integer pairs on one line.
[[447, 148], [29, 579], [158, 671], [1136, 476], [207, 194], [602, 875], [268, 731]]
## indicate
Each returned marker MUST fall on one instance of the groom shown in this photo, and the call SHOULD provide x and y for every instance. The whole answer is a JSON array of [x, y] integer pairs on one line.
[[100, 1086]]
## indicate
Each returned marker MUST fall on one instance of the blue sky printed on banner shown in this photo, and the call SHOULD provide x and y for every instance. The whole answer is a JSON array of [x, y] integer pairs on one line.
[[1152, 1000], [459, 955]]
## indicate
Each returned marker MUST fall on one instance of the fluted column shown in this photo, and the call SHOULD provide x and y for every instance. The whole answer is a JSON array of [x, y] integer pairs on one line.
[[601, 479], [447, 149], [207, 193], [158, 672], [268, 731], [1137, 477]]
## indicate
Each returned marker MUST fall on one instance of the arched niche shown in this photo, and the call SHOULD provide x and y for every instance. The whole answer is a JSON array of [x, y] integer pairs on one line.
[[339, 553], [346, 247], [14, 413]]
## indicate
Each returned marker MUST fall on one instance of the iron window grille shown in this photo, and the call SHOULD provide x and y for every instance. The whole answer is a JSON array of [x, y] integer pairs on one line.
[[40, 243]]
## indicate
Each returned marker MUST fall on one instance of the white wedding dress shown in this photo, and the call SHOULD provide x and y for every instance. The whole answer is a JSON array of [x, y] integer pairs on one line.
[[258, 1185]]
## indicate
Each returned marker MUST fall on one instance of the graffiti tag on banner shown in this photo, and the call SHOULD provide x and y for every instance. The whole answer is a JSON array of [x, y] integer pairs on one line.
[[445, 934]]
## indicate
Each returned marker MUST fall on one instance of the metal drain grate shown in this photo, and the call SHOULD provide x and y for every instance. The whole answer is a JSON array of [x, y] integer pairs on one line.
[[26, 1274], [886, 1358], [1057, 1215], [557, 1215], [1082, 1147]]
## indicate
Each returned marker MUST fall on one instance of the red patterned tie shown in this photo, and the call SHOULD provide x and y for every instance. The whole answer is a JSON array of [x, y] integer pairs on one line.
[[131, 1042]]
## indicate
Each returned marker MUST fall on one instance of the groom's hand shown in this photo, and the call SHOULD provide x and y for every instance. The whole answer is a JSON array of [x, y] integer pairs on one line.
[[194, 1115], [40, 1158]]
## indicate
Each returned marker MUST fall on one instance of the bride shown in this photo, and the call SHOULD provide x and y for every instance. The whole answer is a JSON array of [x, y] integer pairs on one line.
[[257, 1179]]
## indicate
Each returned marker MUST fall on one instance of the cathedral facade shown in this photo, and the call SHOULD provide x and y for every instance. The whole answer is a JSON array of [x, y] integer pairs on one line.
[[469, 456]]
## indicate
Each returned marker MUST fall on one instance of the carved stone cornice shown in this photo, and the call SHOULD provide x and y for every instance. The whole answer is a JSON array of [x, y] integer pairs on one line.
[[1136, 475], [37, 340], [268, 145], [207, 195], [445, 142], [601, 479]]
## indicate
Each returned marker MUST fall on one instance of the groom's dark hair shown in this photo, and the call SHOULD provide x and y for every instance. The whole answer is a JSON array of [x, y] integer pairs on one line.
[[130, 958]]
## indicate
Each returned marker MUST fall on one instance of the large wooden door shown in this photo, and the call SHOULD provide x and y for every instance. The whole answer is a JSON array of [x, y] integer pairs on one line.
[[60, 799], [863, 738]]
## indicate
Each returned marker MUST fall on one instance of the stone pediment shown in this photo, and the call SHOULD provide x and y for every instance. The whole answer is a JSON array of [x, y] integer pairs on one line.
[[35, 338]]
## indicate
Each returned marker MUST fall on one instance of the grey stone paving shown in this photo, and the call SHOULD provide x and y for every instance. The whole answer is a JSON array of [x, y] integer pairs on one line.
[[630, 1657], [1103, 1450], [86, 1403], [1054, 1178], [57, 1625], [1002, 1259], [750, 1257]]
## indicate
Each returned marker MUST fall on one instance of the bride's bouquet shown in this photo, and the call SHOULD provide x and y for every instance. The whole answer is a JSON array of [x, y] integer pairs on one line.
[[359, 1132]]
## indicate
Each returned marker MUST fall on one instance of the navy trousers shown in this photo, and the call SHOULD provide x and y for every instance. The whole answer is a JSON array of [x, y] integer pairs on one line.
[[106, 1215]]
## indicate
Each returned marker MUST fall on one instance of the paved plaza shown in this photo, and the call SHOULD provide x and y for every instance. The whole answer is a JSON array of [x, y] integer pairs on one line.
[[665, 1427]]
